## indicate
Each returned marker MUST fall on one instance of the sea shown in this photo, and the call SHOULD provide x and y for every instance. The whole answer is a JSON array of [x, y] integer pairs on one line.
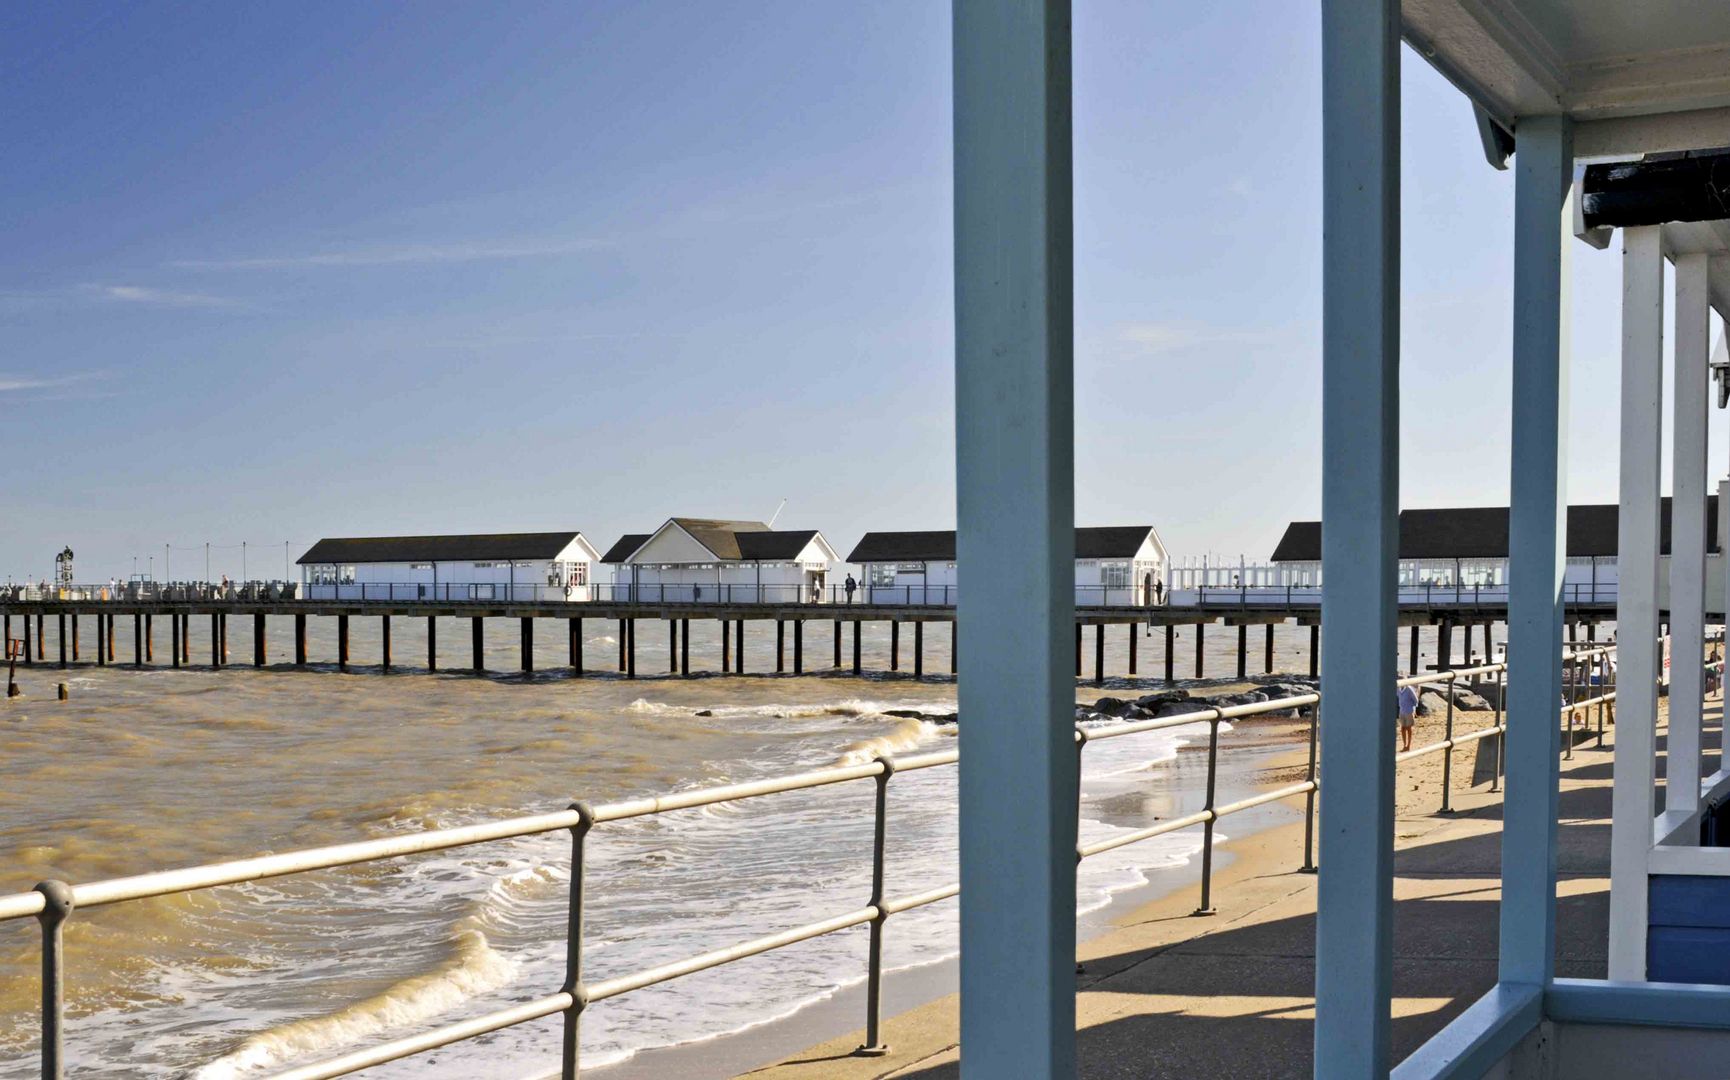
[[156, 768]]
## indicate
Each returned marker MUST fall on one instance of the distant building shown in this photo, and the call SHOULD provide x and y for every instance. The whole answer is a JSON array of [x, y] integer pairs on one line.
[[492, 566], [1123, 565], [706, 560], [1468, 547]]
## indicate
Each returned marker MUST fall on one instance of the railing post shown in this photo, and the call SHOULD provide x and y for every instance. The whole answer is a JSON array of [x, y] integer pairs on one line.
[[1309, 866], [1207, 907], [1496, 775], [57, 905], [569, 1066], [1448, 751], [874, 1045]]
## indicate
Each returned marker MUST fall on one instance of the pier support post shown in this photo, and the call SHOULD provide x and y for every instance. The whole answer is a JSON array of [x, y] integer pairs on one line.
[[299, 640], [780, 646], [109, 638], [1360, 504], [575, 629], [258, 639], [41, 639], [1412, 666], [894, 645], [624, 644], [919, 649], [75, 637], [799, 646], [837, 629], [1133, 637], [1200, 651], [29, 651], [528, 644], [672, 646], [137, 640], [1098, 654], [1242, 650], [384, 641], [149, 639], [1170, 652], [478, 643], [1315, 650], [1468, 630], [1078, 666], [1445, 646], [1267, 661], [173, 644], [101, 636], [222, 631], [216, 639], [684, 646], [739, 646], [726, 646], [954, 645], [630, 648], [432, 643], [185, 637], [342, 642], [856, 667]]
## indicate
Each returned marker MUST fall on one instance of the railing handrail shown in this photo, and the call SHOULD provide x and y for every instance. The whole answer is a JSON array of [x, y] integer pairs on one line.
[[53, 902]]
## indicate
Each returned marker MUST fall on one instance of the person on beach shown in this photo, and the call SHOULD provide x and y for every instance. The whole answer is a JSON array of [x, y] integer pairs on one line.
[[1408, 706], [850, 586]]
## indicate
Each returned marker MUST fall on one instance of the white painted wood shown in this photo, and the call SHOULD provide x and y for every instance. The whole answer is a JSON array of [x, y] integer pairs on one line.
[[1637, 597], [1688, 534]]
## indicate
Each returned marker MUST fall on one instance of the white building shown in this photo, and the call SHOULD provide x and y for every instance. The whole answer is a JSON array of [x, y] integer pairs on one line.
[[1116, 566], [1466, 548], [496, 566], [703, 560]]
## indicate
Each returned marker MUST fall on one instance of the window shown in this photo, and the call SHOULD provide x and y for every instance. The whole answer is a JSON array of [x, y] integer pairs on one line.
[[485, 565], [321, 575], [882, 574], [420, 566], [1114, 575], [346, 576]]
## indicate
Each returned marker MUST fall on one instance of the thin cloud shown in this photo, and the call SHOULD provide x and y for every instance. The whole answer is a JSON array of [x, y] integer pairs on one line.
[[401, 255], [15, 384], [144, 295], [1166, 337]]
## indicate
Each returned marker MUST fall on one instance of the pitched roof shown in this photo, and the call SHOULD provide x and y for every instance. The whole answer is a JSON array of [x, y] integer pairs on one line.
[[1106, 542], [773, 545], [1481, 532], [719, 535], [369, 549], [625, 547]]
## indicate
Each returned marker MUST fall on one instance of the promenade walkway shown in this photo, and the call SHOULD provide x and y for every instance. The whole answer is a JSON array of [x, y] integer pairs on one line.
[[1166, 994]]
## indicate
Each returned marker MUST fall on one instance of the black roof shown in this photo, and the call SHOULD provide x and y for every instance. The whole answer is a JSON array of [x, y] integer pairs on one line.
[[1104, 542], [625, 547], [1481, 532], [786, 544], [368, 549]]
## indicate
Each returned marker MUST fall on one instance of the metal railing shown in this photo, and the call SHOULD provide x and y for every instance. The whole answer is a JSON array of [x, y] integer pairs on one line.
[[53, 902], [137, 590], [1429, 594]]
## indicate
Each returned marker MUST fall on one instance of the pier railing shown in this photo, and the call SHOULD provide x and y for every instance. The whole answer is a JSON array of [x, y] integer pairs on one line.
[[1574, 593], [53, 902]]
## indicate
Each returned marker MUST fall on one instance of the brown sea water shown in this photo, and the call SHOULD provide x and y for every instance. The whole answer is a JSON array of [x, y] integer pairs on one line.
[[157, 768]]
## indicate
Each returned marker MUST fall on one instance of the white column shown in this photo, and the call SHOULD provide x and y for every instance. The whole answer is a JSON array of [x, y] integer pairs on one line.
[[1537, 531], [1360, 514], [1014, 470], [1637, 596], [1688, 535]]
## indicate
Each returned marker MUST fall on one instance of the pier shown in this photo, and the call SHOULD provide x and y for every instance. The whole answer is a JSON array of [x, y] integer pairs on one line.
[[804, 632]]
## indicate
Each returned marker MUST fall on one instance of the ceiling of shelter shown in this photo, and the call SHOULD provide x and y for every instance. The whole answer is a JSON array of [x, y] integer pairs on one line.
[[1594, 59]]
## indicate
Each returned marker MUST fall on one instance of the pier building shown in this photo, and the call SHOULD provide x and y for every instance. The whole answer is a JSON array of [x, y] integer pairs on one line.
[[1115, 566], [710, 559], [476, 566]]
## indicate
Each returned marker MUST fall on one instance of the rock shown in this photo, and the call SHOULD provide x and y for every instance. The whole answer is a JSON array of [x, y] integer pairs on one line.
[[705, 712], [915, 714], [1152, 702], [1110, 705], [1182, 708], [1431, 703]]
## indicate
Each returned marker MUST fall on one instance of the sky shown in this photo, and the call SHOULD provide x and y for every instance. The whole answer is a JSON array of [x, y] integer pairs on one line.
[[273, 272]]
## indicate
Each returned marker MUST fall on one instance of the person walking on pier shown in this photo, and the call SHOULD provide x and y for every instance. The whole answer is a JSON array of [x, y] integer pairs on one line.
[[1408, 706], [850, 585]]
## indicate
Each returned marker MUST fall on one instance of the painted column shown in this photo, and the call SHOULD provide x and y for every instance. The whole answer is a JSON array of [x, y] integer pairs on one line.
[[1015, 464], [1631, 802], [1688, 535], [1537, 557], [1360, 506]]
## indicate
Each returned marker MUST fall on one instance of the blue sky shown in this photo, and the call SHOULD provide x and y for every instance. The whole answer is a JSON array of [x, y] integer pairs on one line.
[[273, 272]]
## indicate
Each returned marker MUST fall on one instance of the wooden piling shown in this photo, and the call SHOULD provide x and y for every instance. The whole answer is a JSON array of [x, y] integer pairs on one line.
[[1267, 665], [478, 643], [342, 642], [258, 639], [780, 646], [137, 640], [726, 646], [1133, 637], [101, 649], [684, 646], [109, 638], [432, 643], [149, 640], [624, 635], [1412, 666], [1445, 646], [186, 636], [174, 642], [798, 646], [856, 667], [1315, 649], [61, 634], [1200, 635], [384, 641], [630, 648], [41, 639], [1098, 654], [1242, 650], [299, 640], [739, 646], [75, 638], [1170, 652], [919, 649], [575, 629], [954, 645], [1078, 650], [29, 652], [222, 633], [528, 644], [837, 644], [672, 646], [894, 645]]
